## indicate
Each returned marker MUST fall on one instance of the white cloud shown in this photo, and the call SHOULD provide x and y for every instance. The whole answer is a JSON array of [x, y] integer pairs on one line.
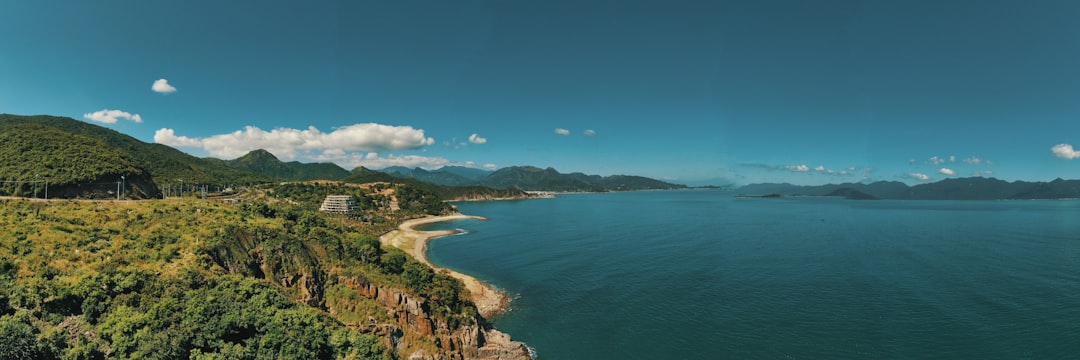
[[562, 131], [952, 158], [820, 168], [797, 168], [912, 162], [919, 176], [946, 171], [110, 116], [286, 142], [167, 136], [374, 160], [981, 173], [843, 172], [1065, 151], [590, 132], [936, 160], [974, 160], [162, 86], [476, 139]]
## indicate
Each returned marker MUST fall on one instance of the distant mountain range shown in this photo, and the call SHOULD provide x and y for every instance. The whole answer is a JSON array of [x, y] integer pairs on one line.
[[79, 159], [531, 178], [972, 188]]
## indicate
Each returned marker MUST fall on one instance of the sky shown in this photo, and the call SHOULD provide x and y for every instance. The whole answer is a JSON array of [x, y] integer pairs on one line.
[[694, 92]]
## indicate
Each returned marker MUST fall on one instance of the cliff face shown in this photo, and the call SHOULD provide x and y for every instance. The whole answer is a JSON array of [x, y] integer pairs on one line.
[[474, 340], [296, 267]]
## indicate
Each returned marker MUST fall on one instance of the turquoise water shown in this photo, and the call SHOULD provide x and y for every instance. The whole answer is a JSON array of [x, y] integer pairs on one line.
[[699, 274]]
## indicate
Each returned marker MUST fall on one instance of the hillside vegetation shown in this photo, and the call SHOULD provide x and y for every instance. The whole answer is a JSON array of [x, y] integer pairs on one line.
[[270, 278], [264, 163], [69, 163], [159, 163]]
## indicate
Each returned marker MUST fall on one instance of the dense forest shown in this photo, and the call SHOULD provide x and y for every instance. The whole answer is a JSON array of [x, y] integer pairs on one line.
[[200, 279]]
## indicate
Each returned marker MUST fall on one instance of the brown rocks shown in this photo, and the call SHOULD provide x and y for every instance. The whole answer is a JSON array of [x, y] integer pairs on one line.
[[471, 341]]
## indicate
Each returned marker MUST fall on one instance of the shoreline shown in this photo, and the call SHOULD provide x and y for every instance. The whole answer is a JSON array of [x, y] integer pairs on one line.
[[488, 300]]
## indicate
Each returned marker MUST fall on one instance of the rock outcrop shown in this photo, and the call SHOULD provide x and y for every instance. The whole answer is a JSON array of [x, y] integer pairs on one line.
[[473, 340]]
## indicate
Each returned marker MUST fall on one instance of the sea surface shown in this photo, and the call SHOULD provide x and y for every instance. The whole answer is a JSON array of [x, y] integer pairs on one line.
[[699, 274]]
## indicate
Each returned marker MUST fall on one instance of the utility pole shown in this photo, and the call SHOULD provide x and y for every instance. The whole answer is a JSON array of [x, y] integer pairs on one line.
[[123, 189], [35, 185], [181, 188]]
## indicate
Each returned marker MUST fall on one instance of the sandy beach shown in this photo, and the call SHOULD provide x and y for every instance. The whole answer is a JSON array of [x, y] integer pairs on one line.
[[414, 242]]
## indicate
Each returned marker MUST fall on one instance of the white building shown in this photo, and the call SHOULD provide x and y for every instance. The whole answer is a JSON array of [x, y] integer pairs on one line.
[[339, 204]]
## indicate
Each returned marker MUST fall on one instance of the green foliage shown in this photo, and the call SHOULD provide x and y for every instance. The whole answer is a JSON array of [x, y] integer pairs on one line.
[[364, 248], [197, 279], [17, 337], [160, 164], [411, 198], [363, 175], [72, 164]]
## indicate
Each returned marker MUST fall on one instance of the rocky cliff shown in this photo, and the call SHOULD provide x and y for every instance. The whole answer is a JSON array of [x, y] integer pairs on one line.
[[474, 340], [296, 267]]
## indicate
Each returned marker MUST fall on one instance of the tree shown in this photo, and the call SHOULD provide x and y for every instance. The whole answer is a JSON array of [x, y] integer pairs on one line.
[[17, 338]]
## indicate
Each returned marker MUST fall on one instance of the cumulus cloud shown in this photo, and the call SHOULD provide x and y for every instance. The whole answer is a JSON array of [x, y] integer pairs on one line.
[[936, 160], [166, 136], [952, 158], [286, 142], [946, 171], [820, 168], [590, 132], [973, 160], [797, 168], [476, 139], [1065, 151], [162, 86], [110, 116], [562, 131], [374, 160], [919, 176]]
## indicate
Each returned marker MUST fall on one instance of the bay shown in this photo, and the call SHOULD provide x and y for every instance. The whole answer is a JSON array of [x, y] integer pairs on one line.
[[700, 274]]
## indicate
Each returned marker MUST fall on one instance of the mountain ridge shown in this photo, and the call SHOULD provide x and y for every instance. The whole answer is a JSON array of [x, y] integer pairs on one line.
[[531, 178], [969, 188]]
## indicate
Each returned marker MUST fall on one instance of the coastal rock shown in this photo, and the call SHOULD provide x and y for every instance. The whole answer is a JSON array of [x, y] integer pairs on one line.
[[472, 341]]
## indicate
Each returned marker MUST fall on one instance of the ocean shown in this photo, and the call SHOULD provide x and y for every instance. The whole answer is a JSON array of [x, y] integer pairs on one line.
[[699, 274]]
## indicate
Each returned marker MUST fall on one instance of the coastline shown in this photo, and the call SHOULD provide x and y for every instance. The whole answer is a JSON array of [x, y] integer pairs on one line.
[[489, 301]]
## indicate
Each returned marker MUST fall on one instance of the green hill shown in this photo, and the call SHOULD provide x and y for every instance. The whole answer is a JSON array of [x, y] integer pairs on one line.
[[264, 163], [529, 178], [362, 175], [163, 163], [154, 165], [533, 178], [42, 161]]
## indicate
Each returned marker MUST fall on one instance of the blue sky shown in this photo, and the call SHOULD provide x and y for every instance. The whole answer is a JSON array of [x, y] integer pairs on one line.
[[806, 92]]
